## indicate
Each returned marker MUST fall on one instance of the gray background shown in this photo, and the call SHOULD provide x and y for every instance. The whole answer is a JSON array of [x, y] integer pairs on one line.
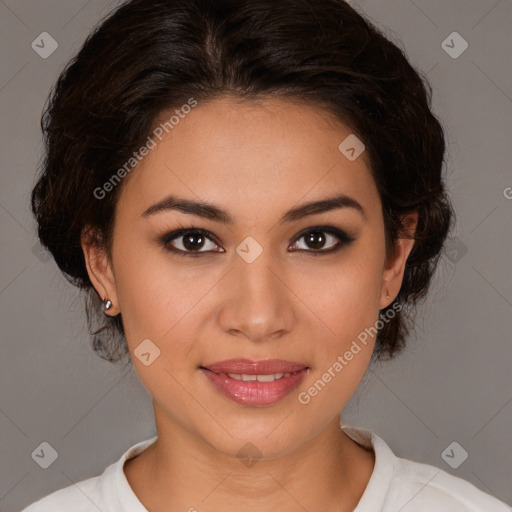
[[452, 384]]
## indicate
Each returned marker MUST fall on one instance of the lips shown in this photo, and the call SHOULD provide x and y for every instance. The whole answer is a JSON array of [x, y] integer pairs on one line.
[[255, 383], [249, 367]]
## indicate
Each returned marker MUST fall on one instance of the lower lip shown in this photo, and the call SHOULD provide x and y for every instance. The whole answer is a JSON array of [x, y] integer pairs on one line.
[[254, 393]]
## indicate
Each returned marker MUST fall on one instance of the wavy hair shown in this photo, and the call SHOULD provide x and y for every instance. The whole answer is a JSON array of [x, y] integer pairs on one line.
[[150, 56]]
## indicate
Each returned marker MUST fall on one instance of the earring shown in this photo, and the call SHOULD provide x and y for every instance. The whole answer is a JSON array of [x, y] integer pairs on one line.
[[106, 304], [387, 296]]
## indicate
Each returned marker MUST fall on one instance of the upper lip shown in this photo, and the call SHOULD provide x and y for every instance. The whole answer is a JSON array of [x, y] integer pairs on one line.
[[249, 367]]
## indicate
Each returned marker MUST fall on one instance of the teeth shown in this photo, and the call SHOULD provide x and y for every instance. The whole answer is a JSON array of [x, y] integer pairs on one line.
[[260, 378], [266, 378]]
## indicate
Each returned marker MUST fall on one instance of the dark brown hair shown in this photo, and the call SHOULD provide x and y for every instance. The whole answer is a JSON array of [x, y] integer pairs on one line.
[[151, 56]]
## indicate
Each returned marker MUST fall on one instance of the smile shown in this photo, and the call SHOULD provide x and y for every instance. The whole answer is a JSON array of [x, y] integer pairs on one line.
[[260, 378], [255, 390]]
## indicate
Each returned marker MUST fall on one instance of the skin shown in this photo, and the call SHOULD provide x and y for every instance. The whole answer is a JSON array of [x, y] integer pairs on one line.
[[256, 161]]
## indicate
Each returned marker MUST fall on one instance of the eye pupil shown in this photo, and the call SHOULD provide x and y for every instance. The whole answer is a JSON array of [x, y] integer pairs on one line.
[[315, 239], [188, 241]]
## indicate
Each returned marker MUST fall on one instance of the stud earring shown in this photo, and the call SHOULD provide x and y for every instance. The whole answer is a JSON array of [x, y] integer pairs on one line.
[[106, 304], [387, 296]]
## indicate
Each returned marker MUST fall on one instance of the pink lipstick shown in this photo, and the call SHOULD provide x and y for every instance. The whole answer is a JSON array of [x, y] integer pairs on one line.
[[255, 383]]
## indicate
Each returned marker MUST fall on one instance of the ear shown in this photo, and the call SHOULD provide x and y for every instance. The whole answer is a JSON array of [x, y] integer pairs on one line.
[[100, 269], [394, 267]]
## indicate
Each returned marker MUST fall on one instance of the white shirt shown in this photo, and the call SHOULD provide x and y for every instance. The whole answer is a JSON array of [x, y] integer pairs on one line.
[[396, 484]]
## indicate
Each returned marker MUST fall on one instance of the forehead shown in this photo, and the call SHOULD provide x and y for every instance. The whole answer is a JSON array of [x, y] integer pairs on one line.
[[250, 156]]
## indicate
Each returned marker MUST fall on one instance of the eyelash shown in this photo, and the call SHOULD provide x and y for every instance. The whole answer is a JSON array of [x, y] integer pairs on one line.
[[345, 239]]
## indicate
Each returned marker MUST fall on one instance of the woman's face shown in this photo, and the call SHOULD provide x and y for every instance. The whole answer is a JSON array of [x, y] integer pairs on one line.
[[268, 284]]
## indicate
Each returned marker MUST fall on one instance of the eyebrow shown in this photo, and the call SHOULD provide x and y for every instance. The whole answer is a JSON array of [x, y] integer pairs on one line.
[[214, 213]]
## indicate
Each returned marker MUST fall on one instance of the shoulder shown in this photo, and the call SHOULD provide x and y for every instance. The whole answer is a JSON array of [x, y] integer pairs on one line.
[[85, 496], [409, 486], [108, 491], [421, 487]]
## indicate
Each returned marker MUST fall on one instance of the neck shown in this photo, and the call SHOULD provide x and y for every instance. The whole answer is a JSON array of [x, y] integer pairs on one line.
[[181, 472]]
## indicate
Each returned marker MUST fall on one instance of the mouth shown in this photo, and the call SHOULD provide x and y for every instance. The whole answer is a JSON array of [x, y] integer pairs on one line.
[[252, 368], [246, 377], [255, 383]]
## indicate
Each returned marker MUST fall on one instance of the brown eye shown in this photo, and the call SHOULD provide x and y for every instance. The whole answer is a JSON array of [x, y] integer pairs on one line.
[[323, 240], [315, 239], [189, 242], [193, 241]]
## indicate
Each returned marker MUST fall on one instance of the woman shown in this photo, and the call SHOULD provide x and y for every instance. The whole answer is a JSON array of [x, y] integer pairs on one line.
[[254, 191]]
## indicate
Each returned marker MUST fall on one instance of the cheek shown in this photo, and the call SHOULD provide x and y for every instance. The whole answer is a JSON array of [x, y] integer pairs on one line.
[[160, 302], [346, 294], [344, 340], [346, 297], [154, 291]]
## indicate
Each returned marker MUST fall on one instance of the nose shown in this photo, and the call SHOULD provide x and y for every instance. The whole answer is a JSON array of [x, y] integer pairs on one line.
[[257, 302]]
